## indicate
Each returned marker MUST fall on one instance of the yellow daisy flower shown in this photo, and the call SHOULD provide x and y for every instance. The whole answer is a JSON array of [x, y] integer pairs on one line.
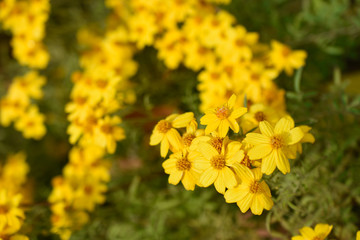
[[166, 134], [11, 216], [320, 232], [221, 118], [180, 166], [217, 167], [272, 145], [251, 193]]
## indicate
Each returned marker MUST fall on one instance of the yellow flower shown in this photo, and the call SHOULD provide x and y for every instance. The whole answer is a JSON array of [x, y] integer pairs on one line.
[[109, 132], [308, 137], [89, 193], [11, 216], [31, 124], [180, 166], [166, 134], [221, 118], [272, 145], [284, 58], [251, 193], [28, 86], [358, 235], [217, 167], [320, 232]]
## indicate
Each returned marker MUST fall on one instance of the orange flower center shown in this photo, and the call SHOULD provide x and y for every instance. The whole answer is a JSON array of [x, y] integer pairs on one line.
[[163, 126], [216, 142], [183, 164], [4, 209], [187, 139], [276, 142], [286, 51], [222, 112], [259, 116], [218, 162], [255, 187], [107, 128], [246, 161], [318, 238]]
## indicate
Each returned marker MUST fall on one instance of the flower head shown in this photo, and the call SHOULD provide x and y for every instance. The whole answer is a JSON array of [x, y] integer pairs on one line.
[[320, 232]]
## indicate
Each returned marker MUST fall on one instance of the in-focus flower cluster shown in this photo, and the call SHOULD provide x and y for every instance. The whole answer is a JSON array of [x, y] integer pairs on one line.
[[17, 105], [26, 21], [12, 194], [235, 166], [197, 34]]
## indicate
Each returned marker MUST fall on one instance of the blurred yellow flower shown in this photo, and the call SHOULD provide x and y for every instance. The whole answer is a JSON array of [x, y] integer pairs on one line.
[[320, 232]]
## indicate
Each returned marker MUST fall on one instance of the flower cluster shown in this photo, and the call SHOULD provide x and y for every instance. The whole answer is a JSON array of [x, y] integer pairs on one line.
[[26, 20], [100, 91], [320, 232], [12, 194], [79, 190], [235, 167], [203, 38], [16, 105]]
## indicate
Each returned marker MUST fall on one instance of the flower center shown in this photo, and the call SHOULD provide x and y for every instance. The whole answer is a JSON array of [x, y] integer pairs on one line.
[[286, 52], [246, 161], [4, 209], [164, 126], [187, 139], [259, 116], [106, 128], [216, 142], [218, 162], [255, 187], [183, 164], [222, 112], [318, 238], [276, 142]]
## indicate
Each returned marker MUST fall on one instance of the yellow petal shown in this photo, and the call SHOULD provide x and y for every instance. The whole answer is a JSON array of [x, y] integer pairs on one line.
[[229, 177], [266, 201], [268, 164], [259, 151], [358, 235], [257, 138], [156, 138], [298, 238], [233, 124], [323, 229], [236, 194], [208, 177], [212, 126], [208, 118], [245, 174], [282, 162], [174, 139], [238, 112], [232, 148], [307, 232], [169, 165], [175, 177], [220, 183], [231, 102], [182, 120], [202, 163], [188, 181], [282, 126], [294, 136], [266, 128], [308, 138], [207, 150], [164, 147], [245, 203], [223, 128], [256, 206], [257, 173]]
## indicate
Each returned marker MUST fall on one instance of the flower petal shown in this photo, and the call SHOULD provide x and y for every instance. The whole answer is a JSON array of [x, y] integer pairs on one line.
[[282, 126], [238, 112], [233, 124], [208, 177], [236, 194], [188, 181], [231, 101], [245, 203], [307, 232], [220, 183], [323, 229], [257, 138], [207, 150], [294, 136], [256, 206], [282, 162], [156, 138], [175, 177], [259, 151], [164, 147], [266, 128], [268, 164], [229, 177], [182, 120], [223, 128]]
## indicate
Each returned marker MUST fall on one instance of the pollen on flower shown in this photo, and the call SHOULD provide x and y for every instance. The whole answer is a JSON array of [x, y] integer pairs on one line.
[[4, 209], [276, 142], [163, 126], [183, 164], [187, 139], [246, 161], [222, 112], [218, 162], [216, 142], [260, 116], [255, 187]]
